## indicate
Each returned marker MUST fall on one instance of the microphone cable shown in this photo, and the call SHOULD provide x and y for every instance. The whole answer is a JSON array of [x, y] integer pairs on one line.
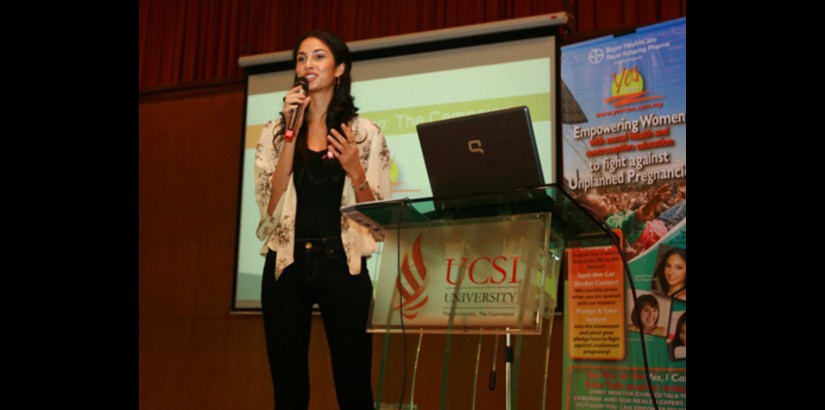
[[618, 245]]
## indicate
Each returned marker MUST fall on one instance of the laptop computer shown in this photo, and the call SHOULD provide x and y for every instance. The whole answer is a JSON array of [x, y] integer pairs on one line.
[[465, 158], [489, 152]]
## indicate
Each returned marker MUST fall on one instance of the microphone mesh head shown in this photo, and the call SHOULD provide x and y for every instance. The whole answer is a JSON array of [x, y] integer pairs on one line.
[[304, 83]]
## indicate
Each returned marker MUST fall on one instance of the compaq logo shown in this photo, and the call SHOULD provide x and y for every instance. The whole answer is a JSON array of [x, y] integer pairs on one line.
[[475, 146]]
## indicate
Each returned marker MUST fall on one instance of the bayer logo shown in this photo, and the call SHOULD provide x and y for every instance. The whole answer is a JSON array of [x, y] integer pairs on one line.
[[596, 56]]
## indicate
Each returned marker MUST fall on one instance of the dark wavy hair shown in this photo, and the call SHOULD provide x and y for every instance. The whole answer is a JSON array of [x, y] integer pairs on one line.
[[341, 107], [641, 301], [677, 341], [659, 280]]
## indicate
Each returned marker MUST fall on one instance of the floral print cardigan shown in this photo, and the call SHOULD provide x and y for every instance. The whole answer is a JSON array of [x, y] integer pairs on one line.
[[278, 230]]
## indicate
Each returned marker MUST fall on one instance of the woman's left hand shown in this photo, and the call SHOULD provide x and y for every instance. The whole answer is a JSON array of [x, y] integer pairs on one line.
[[344, 148]]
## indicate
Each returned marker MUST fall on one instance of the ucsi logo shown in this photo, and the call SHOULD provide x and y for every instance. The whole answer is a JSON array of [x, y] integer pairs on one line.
[[482, 270], [628, 87], [412, 294], [493, 270]]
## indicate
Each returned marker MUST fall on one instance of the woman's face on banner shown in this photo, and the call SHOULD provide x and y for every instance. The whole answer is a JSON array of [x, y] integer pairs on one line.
[[675, 272], [650, 315]]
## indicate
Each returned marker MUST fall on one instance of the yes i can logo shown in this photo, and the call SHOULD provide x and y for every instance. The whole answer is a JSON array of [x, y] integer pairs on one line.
[[628, 87]]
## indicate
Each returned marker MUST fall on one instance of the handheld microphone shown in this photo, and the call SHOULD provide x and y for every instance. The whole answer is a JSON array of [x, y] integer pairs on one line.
[[290, 128]]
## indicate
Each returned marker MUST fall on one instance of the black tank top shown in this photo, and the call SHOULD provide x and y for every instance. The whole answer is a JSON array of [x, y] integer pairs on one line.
[[318, 185]]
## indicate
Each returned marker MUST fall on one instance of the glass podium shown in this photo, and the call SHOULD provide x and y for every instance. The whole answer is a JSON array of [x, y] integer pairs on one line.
[[485, 267]]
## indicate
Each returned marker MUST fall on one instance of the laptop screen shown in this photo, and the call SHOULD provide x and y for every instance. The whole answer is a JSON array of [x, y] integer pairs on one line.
[[494, 151]]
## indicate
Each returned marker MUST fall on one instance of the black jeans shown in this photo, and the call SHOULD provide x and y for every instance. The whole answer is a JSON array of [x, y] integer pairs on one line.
[[318, 275]]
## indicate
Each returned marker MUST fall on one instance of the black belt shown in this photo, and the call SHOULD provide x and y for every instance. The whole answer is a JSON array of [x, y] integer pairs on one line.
[[315, 244]]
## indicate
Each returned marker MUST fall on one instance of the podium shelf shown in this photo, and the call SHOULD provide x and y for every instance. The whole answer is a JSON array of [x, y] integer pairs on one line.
[[569, 219]]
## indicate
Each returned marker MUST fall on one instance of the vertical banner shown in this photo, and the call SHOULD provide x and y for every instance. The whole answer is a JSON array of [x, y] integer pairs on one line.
[[624, 135]]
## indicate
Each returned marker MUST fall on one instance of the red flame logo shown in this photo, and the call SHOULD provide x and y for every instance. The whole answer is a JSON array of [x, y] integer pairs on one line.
[[412, 293]]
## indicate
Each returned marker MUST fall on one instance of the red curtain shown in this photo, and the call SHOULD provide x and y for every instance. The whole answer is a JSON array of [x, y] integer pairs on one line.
[[190, 41]]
